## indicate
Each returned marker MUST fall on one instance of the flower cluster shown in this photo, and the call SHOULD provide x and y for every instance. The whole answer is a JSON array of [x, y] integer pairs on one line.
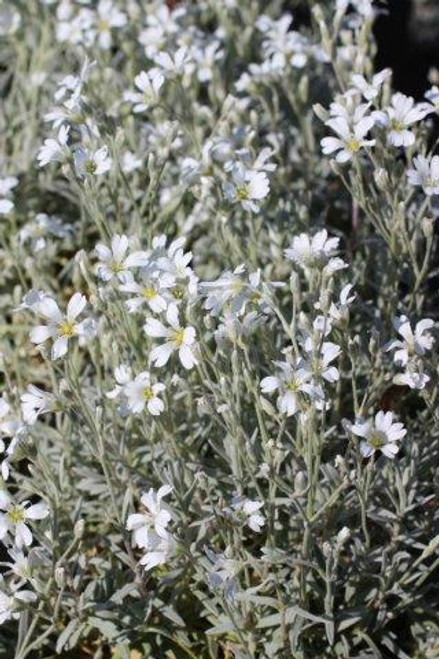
[[219, 405], [149, 529]]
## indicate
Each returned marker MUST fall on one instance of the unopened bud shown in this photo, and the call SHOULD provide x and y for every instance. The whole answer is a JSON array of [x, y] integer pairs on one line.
[[78, 530], [320, 112], [343, 536], [427, 227], [60, 576], [300, 483], [381, 178]]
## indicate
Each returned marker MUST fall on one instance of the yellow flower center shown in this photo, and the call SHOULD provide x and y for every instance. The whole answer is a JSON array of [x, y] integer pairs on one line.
[[148, 393], [242, 193], [66, 329], [377, 439], [396, 125], [432, 183], [16, 515], [353, 146], [292, 385], [103, 26], [149, 293], [90, 167], [178, 292], [116, 267], [179, 337]]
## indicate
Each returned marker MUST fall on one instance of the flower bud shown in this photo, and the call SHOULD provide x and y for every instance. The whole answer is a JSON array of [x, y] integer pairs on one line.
[[343, 536], [427, 227], [320, 112], [381, 178], [78, 530], [60, 576], [300, 482]]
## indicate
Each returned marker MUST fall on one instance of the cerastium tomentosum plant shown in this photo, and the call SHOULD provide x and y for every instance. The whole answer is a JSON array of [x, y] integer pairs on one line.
[[219, 427]]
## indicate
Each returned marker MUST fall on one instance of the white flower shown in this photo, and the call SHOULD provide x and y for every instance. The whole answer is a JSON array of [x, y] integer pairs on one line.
[[41, 228], [158, 552], [114, 261], [175, 262], [149, 84], [6, 205], [412, 380], [161, 26], [154, 520], [224, 572], [108, 16], [248, 510], [6, 185], [339, 312], [11, 426], [178, 338], [315, 252], [290, 382], [247, 187], [150, 291], [173, 65], [230, 291], [206, 59], [282, 44], [414, 343], [32, 299], [93, 163], [122, 375], [140, 392], [400, 116], [350, 137], [62, 327], [321, 361], [21, 564], [72, 84], [10, 603], [8, 423], [425, 174], [370, 90], [55, 150], [14, 517], [382, 435], [35, 402], [130, 162]]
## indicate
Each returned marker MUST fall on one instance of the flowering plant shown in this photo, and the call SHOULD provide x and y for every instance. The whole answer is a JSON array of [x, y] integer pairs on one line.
[[219, 424]]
